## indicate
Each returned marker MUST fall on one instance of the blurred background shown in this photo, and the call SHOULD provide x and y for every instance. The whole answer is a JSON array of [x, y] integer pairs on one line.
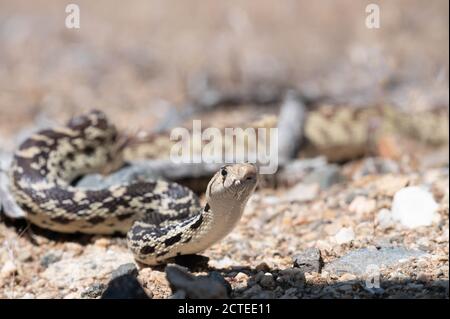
[[144, 62]]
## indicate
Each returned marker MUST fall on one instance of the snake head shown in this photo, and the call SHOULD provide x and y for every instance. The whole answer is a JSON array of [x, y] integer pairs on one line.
[[233, 182]]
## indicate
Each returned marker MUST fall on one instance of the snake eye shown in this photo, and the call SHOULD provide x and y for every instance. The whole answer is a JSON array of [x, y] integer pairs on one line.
[[223, 172]]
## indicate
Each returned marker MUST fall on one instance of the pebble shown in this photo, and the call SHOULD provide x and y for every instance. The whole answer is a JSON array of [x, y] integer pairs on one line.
[[422, 277], [252, 291], [215, 275], [124, 284], [302, 192], [158, 278], [74, 249], [93, 291], [377, 165], [345, 287], [293, 277], [347, 277], [289, 293], [270, 200], [262, 267], [325, 176], [267, 281], [241, 276], [25, 256], [384, 219], [50, 258], [362, 206], [390, 184], [414, 206], [361, 261], [344, 235], [102, 242], [8, 204], [196, 287], [95, 263], [71, 295], [223, 263], [124, 270], [423, 243], [9, 269], [309, 261]]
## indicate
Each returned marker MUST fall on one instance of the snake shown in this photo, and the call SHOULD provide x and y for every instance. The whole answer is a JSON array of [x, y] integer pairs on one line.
[[161, 219]]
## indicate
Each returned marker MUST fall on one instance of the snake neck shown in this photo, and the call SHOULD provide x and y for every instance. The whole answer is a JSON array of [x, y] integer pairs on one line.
[[218, 219]]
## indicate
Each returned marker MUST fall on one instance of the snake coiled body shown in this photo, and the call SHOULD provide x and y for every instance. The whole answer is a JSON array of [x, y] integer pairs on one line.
[[162, 219]]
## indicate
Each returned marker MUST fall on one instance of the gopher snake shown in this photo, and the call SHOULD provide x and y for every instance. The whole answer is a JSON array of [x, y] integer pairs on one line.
[[162, 219]]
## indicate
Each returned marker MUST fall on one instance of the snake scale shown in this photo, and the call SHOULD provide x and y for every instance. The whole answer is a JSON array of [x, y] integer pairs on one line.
[[162, 219]]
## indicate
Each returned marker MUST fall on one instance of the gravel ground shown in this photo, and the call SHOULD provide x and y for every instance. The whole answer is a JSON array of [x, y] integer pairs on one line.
[[266, 255]]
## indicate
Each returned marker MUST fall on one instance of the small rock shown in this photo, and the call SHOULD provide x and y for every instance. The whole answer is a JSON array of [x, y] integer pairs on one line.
[[74, 249], [325, 176], [25, 256], [124, 285], [256, 278], [252, 291], [388, 185], [302, 192], [377, 165], [423, 277], [262, 267], [50, 258], [223, 263], [414, 206], [289, 293], [345, 287], [361, 205], [384, 219], [215, 275], [291, 277], [93, 291], [344, 235], [423, 243], [8, 204], [374, 290], [309, 261], [324, 245], [364, 261], [267, 281], [270, 200], [347, 277], [125, 269], [241, 276], [28, 296], [9, 269], [102, 242], [195, 287]]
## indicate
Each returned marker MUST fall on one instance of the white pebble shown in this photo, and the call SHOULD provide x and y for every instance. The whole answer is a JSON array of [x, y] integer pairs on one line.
[[414, 206], [384, 218], [241, 276], [344, 235], [8, 269]]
